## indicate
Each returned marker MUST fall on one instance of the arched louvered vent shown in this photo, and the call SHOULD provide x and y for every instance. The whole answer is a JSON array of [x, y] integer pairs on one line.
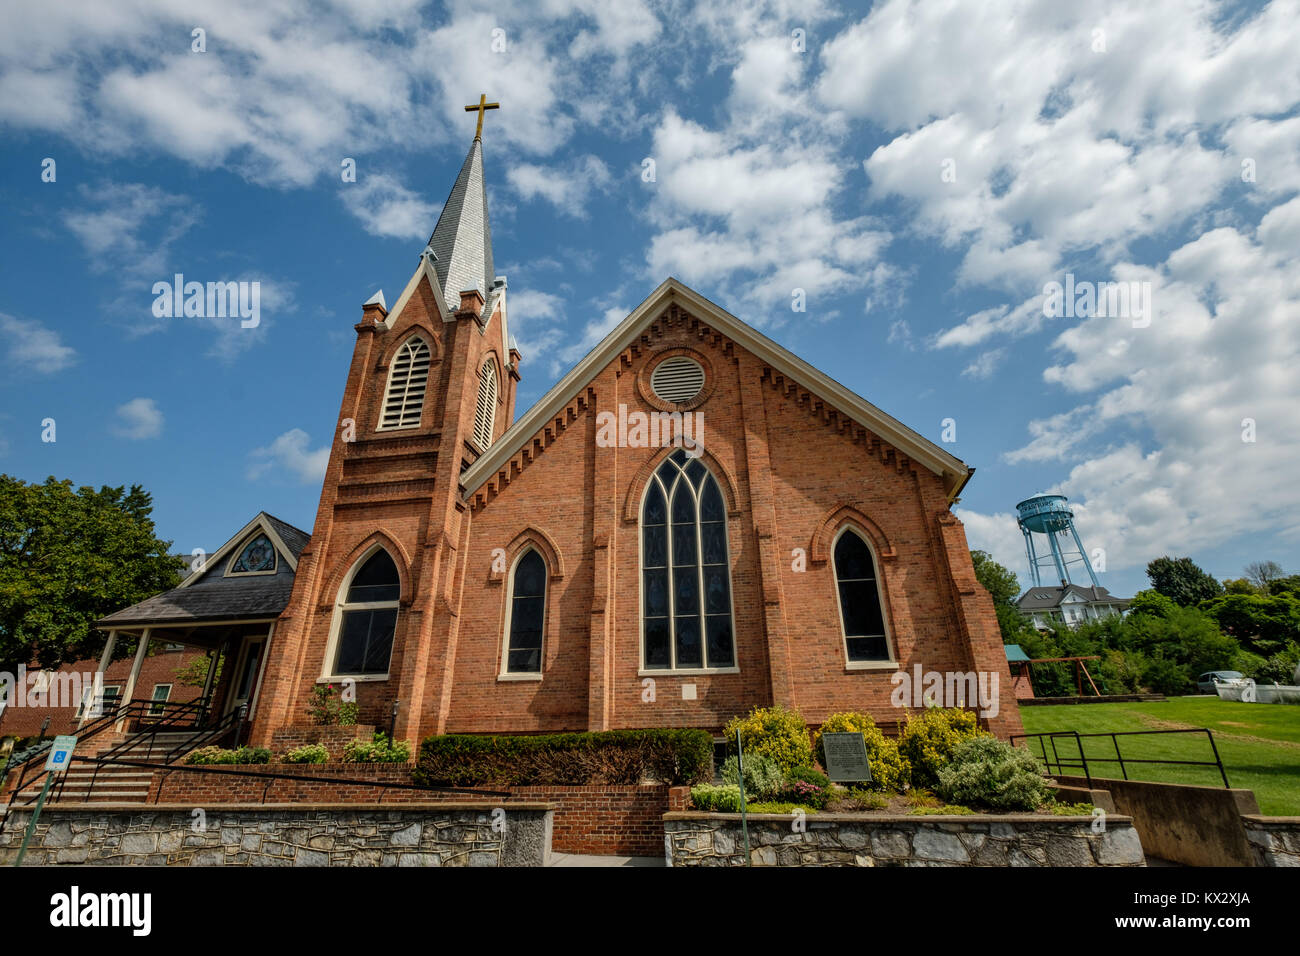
[[406, 384], [677, 379], [485, 410]]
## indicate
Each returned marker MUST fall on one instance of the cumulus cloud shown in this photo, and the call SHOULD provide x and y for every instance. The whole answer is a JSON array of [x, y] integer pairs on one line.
[[387, 208], [30, 345], [568, 188], [291, 453], [138, 419]]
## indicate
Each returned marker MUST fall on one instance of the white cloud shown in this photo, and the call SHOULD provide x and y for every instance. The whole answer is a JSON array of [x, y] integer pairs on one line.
[[569, 189], [984, 366], [31, 345], [387, 208], [290, 453], [130, 227], [138, 419]]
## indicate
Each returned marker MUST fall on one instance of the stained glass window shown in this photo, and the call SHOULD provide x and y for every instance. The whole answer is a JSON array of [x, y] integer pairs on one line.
[[859, 594], [685, 575], [257, 556], [527, 611], [369, 617]]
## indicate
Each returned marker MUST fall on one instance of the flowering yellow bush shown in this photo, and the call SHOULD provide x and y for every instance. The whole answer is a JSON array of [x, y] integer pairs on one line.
[[928, 741], [774, 732], [889, 769]]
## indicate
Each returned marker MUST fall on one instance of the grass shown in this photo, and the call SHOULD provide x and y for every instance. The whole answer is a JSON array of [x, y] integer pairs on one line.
[[1258, 743]]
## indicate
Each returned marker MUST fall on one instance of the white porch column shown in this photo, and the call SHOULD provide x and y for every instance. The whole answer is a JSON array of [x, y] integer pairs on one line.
[[129, 690], [261, 669], [104, 660]]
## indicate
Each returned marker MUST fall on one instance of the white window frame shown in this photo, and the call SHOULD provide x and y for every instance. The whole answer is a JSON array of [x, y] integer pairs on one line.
[[892, 663], [103, 693], [388, 386], [239, 551], [328, 674], [155, 699], [503, 673], [674, 671]]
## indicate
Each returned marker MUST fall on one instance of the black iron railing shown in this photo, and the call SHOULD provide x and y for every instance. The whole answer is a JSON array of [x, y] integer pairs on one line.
[[1058, 763]]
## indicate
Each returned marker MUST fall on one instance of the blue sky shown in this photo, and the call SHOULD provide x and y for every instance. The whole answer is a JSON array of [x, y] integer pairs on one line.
[[921, 171]]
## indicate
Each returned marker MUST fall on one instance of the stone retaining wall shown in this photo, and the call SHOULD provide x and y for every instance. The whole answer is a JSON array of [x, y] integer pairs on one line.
[[714, 839], [1274, 841], [464, 834]]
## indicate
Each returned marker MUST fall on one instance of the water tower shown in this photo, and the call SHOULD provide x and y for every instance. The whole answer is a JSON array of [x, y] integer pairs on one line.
[[1050, 517]]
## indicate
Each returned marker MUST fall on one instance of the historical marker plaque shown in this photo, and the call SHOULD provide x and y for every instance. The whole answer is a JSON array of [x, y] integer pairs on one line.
[[846, 758]]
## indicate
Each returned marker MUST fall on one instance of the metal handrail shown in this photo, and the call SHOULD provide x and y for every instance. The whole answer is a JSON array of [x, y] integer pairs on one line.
[[1060, 763]]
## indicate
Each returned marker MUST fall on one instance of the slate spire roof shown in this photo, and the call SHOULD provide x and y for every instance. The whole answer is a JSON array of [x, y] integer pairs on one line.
[[462, 240]]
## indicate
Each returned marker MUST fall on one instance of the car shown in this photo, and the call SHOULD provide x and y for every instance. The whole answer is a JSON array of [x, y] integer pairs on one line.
[[1209, 681]]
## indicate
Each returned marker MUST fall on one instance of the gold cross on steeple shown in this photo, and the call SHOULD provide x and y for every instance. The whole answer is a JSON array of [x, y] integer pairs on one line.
[[479, 107]]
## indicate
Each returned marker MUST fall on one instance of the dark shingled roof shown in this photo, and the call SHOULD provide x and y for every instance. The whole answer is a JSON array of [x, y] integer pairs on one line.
[[218, 598], [1041, 599]]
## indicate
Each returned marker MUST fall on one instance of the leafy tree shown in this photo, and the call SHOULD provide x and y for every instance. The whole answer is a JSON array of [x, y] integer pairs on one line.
[[1001, 583], [1287, 585], [1182, 581], [195, 673], [69, 557], [1153, 603], [1262, 573], [1262, 623], [1239, 586]]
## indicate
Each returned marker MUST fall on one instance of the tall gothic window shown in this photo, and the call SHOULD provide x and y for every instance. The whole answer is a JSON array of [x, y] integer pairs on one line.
[[861, 613], [685, 574], [527, 613], [367, 618], [486, 408], [406, 383]]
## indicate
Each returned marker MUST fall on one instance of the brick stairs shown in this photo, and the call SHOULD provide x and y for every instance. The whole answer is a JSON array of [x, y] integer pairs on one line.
[[113, 783]]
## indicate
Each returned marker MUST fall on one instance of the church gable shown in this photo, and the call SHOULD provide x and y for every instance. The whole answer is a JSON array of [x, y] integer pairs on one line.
[[837, 407]]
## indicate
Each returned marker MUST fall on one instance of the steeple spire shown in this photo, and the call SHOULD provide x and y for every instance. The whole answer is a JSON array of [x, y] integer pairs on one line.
[[461, 244]]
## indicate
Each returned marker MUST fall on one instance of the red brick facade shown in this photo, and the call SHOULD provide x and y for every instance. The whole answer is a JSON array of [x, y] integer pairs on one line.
[[158, 668], [792, 468]]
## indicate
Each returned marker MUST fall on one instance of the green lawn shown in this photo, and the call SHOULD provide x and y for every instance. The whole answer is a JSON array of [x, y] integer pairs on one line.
[[1259, 743]]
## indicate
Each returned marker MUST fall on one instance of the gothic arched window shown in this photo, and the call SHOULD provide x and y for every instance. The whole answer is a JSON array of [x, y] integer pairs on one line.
[[685, 572], [366, 617], [861, 613], [486, 408], [526, 615], [407, 379]]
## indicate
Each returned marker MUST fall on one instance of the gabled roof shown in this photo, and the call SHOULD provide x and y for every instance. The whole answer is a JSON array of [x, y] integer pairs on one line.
[[210, 596], [921, 450], [1042, 599]]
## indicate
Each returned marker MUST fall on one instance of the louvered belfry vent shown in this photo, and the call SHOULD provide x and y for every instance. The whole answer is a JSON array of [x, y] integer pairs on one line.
[[677, 379], [406, 385], [485, 410]]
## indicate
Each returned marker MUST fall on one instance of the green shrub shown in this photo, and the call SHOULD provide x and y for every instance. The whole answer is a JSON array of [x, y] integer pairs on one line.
[[719, 799], [1070, 809], [808, 787], [610, 756], [929, 741], [990, 773], [860, 798], [889, 769], [946, 810], [220, 755], [327, 707], [763, 778], [774, 732], [378, 750], [309, 753]]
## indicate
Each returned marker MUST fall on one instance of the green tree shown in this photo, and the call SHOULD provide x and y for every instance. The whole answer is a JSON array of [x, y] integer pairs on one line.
[[1182, 581], [1003, 587], [1264, 624], [69, 557], [1287, 585]]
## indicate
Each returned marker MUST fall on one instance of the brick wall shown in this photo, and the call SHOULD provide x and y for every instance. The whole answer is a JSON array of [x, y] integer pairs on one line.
[[621, 820]]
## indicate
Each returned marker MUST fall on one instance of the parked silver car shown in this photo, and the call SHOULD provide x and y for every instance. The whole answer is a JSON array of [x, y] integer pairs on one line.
[[1208, 682]]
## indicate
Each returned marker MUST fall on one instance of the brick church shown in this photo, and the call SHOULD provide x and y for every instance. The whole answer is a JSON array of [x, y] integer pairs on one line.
[[693, 521]]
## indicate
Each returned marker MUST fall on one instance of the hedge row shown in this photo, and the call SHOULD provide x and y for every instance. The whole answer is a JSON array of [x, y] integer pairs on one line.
[[604, 757]]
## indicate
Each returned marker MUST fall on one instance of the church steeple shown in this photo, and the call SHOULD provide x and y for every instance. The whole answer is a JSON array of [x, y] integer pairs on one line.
[[461, 243]]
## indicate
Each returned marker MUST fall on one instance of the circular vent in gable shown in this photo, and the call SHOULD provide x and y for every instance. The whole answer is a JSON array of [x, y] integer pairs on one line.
[[677, 379]]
